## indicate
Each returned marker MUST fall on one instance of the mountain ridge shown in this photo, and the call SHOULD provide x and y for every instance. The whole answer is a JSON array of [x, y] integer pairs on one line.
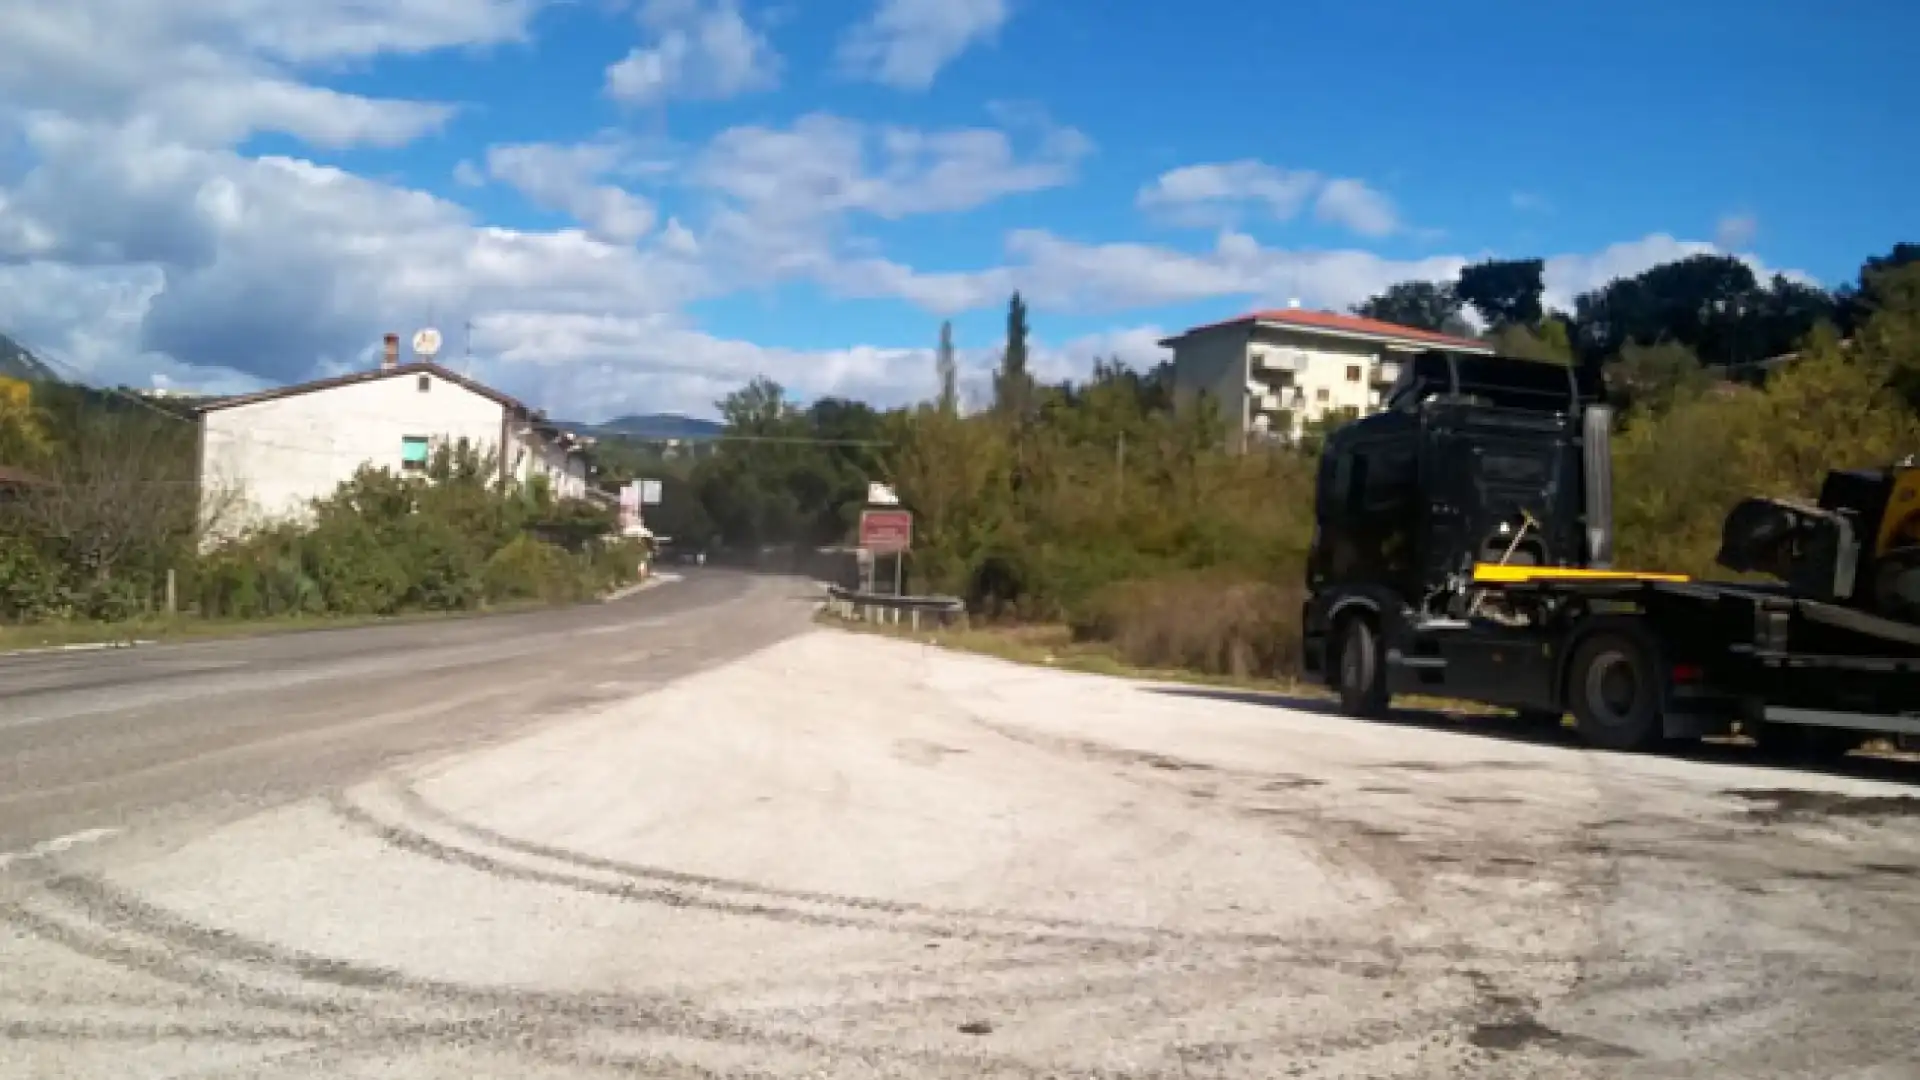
[[648, 426], [18, 362]]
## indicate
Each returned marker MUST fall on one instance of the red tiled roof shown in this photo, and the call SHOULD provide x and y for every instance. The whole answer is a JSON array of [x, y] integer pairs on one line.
[[1351, 324]]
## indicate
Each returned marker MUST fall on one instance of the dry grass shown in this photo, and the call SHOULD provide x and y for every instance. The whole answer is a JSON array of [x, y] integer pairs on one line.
[[1236, 628], [1062, 648]]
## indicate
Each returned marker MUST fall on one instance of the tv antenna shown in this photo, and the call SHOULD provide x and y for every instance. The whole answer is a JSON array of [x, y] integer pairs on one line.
[[426, 343]]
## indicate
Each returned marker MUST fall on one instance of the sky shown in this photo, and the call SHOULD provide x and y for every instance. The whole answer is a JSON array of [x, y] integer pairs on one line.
[[620, 206]]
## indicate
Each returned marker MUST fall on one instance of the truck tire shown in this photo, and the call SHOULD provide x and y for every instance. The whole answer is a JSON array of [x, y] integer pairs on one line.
[[1614, 691], [1361, 676]]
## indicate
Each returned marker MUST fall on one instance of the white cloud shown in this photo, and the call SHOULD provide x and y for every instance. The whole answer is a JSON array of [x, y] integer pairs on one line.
[[1221, 194], [1063, 275], [1218, 194], [1529, 202], [564, 178], [825, 165], [786, 194], [905, 43], [277, 267], [213, 72], [697, 49], [1354, 205], [1735, 231]]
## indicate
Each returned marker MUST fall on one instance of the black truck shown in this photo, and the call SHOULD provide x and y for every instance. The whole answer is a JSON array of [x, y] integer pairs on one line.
[[1463, 549]]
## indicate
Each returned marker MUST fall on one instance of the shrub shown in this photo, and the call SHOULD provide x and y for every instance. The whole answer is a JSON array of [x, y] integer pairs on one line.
[[443, 567], [1212, 624], [529, 569], [30, 582], [356, 573]]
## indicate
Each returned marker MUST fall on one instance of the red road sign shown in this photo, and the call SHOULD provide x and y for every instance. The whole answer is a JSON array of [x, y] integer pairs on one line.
[[886, 531]]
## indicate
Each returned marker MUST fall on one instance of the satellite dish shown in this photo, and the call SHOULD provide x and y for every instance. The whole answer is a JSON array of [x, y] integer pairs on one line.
[[426, 342]]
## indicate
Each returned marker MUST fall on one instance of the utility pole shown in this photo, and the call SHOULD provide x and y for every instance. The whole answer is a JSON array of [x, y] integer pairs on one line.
[[1120, 468]]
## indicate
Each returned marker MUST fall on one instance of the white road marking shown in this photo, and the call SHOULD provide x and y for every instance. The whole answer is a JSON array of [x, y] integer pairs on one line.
[[83, 646], [621, 628], [55, 846]]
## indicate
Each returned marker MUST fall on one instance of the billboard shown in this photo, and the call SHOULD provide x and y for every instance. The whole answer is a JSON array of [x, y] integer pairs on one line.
[[886, 531]]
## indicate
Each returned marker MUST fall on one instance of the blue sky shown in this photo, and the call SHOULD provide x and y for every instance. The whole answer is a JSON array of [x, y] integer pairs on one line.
[[639, 204]]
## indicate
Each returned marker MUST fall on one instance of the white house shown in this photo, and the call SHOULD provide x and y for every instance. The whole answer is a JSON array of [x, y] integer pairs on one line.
[[1271, 372], [265, 456]]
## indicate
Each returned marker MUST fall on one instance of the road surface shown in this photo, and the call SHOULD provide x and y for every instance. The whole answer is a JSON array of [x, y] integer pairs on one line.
[[97, 739], [695, 837]]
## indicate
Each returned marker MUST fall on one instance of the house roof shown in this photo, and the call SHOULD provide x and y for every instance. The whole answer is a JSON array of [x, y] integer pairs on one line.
[[1343, 324], [373, 375]]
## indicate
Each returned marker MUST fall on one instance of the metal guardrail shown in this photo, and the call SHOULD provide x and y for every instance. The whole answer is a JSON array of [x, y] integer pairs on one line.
[[915, 611]]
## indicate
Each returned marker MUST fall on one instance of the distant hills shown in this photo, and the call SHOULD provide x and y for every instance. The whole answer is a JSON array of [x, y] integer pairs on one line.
[[18, 363], [649, 426]]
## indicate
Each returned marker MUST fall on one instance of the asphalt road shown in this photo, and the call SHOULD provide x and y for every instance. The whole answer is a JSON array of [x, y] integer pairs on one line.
[[693, 837], [108, 739]]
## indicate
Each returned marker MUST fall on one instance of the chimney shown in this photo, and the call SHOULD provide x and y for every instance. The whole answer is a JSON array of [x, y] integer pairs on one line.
[[390, 357]]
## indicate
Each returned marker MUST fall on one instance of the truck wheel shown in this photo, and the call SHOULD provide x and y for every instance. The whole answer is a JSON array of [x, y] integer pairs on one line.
[[1362, 673], [1614, 691]]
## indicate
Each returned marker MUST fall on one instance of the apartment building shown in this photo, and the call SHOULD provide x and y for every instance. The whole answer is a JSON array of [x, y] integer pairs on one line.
[[1273, 372]]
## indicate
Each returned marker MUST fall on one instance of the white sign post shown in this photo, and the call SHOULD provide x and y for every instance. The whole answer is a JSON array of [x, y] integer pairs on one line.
[[630, 524]]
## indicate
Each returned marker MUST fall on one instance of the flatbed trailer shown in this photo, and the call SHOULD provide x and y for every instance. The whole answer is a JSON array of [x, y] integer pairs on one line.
[[1637, 658], [1463, 549]]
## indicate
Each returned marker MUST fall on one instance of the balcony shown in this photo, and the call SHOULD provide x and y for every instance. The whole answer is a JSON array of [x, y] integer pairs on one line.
[[1280, 361]]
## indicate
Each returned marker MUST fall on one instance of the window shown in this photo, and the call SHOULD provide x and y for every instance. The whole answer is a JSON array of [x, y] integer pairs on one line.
[[1322, 394], [425, 384], [413, 453], [1353, 372]]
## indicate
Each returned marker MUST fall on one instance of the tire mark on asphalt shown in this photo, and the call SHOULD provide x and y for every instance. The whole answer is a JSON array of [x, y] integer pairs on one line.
[[1091, 931], [517, 1020], [417, 843]]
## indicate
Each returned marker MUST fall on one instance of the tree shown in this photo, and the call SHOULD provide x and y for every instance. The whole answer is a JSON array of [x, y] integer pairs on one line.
[[1545, 342], [1504, 292], [121, 503], [1013, 385], [1423, 305], [947, 371], [1653, 379], [759, 408], [24, 441], [1857, 301], [1712, 304]]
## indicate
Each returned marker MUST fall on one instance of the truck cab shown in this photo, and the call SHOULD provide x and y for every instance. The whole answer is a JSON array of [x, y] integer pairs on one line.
[[1474, 460], [1463, 548]]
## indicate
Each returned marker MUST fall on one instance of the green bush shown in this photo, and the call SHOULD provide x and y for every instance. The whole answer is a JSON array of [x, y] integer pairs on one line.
[[529, 569], [31, 585]]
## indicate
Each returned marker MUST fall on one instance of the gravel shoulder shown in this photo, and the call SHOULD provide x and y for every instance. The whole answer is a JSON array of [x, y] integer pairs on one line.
[[848, 856]]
